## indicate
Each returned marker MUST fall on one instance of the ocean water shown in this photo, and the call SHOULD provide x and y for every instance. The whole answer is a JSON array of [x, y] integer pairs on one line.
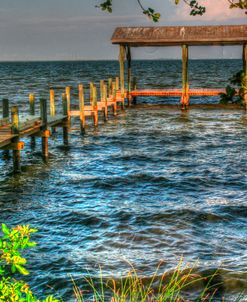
[[151, 184]]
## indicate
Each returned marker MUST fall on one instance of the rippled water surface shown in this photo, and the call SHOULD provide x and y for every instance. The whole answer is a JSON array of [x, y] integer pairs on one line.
[[151, 184]]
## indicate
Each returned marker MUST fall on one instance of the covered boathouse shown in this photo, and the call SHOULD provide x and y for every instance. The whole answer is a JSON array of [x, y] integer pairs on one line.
[[184, 36]]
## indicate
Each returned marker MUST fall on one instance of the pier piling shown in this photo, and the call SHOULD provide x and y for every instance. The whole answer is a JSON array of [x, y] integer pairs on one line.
[[45, 133], [32, 112], [81, 107], [65, 123], [15, 141]]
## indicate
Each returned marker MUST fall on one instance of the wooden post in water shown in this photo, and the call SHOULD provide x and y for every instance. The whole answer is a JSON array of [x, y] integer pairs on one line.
[[185, 77], [114, 94], [110, 87], [15, 130], [45, 133], [103, 98], [134, 87], [244, 83], [65, 125], [121, 65], [32, 112], [117, 83], [95, 107], [5, 103], [68, 96], [91, 85], [129, 75], [52, 107], [81, 107]]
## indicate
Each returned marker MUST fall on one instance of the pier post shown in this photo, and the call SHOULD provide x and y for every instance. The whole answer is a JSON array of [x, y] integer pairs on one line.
[[110, 87], [114, 98], [117, 83], [5, 103], [32, 112], [129, 75], [244, 83], [81, 107], [95, 107], [52, 107], [91, 85], [134, 87], [68, 96], [185, 77], [121, 64], [65, 123], [45, 133], [15, 140], [103, 98]]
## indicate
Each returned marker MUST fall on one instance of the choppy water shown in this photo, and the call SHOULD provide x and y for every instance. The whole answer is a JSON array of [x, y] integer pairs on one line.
[[148, 185]]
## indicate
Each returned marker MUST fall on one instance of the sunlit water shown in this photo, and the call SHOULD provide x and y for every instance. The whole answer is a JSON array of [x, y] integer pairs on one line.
[[152, 184]]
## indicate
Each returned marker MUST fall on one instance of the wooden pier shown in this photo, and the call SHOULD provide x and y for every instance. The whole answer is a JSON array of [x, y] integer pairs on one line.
[[13, 128], [185, 37]]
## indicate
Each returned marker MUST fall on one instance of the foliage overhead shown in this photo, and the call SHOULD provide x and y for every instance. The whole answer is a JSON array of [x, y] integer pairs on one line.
[[195, 7]]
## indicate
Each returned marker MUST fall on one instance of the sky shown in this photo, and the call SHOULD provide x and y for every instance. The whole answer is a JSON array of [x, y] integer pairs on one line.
[[76, 30]]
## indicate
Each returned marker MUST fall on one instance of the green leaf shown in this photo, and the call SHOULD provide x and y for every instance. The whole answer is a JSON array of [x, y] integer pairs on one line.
[[5, 229], [22, 270]]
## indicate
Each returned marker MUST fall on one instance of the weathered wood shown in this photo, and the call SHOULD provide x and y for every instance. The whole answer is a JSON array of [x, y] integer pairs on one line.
[[244, 82], [176, 92], [103, 98], [185, 77], [121, 65], [105, 101], [95, 107], [109, 87], [65, 113], [81, 107], [15, 140], [177, 35], [117, 83], [68, 96], [5, 103], [32, 112], [52, 103], [114, 94], [44, 119], [91, 88], [129, 75], [32, 104], [134, 87]]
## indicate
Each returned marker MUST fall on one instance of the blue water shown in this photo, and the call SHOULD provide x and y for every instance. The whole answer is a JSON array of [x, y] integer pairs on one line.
[[151, 184]]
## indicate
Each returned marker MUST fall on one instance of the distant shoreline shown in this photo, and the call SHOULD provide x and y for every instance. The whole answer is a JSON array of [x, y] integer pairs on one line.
[[102, 60]]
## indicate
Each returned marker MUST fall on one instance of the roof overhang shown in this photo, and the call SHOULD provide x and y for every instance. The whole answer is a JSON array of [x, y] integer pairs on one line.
[[178, 35]]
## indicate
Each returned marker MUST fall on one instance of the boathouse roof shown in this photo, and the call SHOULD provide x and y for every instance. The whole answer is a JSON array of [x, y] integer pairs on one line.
[[177, 35]]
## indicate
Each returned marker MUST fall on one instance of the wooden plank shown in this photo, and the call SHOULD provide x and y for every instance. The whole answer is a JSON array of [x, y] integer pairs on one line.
[[176, 92]]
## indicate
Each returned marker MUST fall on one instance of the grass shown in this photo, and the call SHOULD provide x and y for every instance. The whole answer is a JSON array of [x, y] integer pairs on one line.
[[180, 286]]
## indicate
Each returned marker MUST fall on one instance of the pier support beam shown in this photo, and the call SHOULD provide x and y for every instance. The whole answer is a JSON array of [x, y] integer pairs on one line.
[[66, 122], [52, 107], [129, 75], [5, 103], [15, 130], [185, 77], [45, 132], [32, 112], [81, 107], [103, 98], [121, 65], [244, 84]]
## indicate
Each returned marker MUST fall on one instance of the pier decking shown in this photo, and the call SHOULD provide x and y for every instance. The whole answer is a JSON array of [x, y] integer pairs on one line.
[[176, 92]]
